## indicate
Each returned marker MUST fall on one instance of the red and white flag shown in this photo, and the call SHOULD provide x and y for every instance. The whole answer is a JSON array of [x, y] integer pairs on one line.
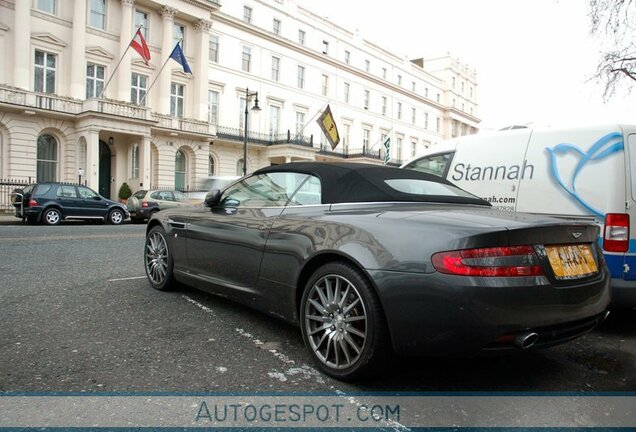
[[139, 44]]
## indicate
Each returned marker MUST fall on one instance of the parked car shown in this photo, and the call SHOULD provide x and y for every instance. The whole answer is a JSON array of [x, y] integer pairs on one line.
[[385, 259], [51, 203], [212, 182], [143, 203]]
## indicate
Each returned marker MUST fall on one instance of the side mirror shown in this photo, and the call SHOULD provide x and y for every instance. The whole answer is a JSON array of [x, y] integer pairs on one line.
[[212, 198]]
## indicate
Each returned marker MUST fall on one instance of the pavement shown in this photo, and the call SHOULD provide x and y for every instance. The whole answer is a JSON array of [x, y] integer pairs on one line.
[[9, 219]]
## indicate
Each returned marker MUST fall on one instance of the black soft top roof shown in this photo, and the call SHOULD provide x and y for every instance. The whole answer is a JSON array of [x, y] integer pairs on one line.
[[358, 182]]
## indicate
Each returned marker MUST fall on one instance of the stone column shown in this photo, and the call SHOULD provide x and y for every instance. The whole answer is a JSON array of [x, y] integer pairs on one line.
[[125, 36], [78, 51], [22, 45], [200, 104], [163, 91], [144, 166], [92, 159]]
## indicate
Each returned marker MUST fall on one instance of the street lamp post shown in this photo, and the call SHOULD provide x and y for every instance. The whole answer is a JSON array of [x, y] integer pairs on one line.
[[255, 108]]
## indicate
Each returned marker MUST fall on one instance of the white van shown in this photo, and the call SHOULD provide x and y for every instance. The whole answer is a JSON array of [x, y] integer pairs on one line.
[[583, 173]]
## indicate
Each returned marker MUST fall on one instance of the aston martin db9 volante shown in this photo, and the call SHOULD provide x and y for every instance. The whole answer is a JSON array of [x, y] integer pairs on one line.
[[371, 260]]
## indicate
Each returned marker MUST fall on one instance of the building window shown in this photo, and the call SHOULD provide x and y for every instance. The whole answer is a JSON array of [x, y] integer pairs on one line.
[[347, 90], [462, 84], [471, 110], [426, 92], [325, 85], [247, 14], [211, 165], [48, 6], [275, 69], [399, 110], [213, 107], [413, 86], [94, 80], [384, 73], [367, 96], [425, 120], [463, 106], [453, 102], [134, 159], [383, 105], [138, 87], [367, 65], [247, 59], [366, 137], [413, 148], [47, 159], [301, 37], [98, 14], [141, 21], [437, 98], [325, 47], [178, 35], [301, 77], [300, 123], [437, 124], [453, 82], [176, 99], [413, 115], [346, 136], [398, 144], [471, 92], [45, 66], [347, 57], [180, 171], [214, 48], [400, 80], [276, 26], [274, 120]]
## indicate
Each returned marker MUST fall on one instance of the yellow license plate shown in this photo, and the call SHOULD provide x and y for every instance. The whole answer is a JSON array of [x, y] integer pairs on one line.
[[571, 261]]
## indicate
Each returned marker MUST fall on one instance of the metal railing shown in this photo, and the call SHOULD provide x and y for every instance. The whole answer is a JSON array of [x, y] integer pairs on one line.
[[234, 134], [6, 187]]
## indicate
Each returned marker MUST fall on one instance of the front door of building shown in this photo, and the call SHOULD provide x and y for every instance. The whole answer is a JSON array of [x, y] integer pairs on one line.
[[104, 169]]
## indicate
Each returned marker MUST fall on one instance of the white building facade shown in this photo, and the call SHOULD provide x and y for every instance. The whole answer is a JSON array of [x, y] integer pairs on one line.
[[156, 126]]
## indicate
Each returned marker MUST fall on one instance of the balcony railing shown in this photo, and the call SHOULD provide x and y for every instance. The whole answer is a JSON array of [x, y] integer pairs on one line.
[[184, 125], [233, 134], [46, 101]]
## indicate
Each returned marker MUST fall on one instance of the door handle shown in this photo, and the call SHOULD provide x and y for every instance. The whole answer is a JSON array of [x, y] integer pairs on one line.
[[176, 224]]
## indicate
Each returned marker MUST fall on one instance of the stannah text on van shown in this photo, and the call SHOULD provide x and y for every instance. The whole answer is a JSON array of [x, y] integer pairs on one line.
[[586, 173]]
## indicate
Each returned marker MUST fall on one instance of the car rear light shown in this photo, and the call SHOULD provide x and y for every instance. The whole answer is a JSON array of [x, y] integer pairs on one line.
[[32, 203], [616, 233], [492, 262], [144, 204]]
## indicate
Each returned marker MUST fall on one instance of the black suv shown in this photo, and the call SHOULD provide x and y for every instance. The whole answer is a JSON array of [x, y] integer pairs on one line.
[[51, 203]]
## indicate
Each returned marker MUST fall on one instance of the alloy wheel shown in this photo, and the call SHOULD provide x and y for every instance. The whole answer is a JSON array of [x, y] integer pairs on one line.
[[335, 322], [156, 258], [52, 217], [116, 217]]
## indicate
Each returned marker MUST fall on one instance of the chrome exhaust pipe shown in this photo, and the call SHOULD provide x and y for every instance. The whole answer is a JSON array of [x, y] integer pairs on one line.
[[526, 340], [604, 317]]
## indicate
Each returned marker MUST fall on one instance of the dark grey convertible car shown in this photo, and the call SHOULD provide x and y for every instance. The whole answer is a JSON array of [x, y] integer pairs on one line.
[[370, 260]]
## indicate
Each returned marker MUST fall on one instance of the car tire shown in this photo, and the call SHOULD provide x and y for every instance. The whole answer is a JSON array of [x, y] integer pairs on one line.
[[116, 217], [51, 216], [342, 322], [158, 261]]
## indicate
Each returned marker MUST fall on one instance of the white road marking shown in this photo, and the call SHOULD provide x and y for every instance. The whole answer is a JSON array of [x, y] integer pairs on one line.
[[199, 305], [128, 278]]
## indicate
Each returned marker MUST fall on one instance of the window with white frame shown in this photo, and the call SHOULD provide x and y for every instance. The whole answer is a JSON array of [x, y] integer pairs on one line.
[[275, 68], [347, 91], [398, 145], [399, 110], [347, 57], [274, 120], [384, 71], [400, 80], [180, 170], [246, 62], [425, 120], [45, 67], [141, 21], [94, 80], [366, 138], [453, 82], [367, 65], [177, 94], [437, 124], [463, 107], [346, 136], [471, 92], [276, 26], [213, 107], [134, 161], [325, 47], [48, 6], [462, 85], [138, 88], [46, 158], [413, 148], [301, 37], [384, 105], [301, 77], [300, 123], [437, 97], [214, 48], [426, 92], [367, 96], [413, 115], [211, 165], [325, 85], [413, 86], [178, 35], [247, 14], [98, 14]]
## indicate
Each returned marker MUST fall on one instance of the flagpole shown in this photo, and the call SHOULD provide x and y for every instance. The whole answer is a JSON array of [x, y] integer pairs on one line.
[[141, 102], [119, 63], [320, 111]]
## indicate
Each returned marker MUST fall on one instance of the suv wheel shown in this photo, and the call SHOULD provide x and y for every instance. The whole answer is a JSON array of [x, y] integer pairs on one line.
[[116, 216], [51, 216]]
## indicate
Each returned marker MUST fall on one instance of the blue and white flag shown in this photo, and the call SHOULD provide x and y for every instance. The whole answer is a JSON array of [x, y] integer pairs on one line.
[[177, 55]]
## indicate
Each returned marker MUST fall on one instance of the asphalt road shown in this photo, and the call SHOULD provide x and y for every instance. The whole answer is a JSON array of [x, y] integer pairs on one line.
[[77, 314]]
